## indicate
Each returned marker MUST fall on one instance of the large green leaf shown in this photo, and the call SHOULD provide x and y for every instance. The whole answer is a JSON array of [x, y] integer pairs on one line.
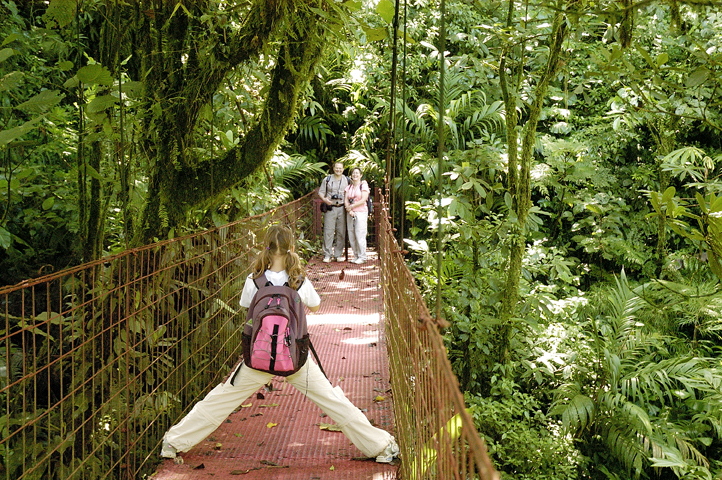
[[6, 53], [103, 102], [6, 238], [386, 9], [95, 75], [42, 102], [11, 80], [7, 136]]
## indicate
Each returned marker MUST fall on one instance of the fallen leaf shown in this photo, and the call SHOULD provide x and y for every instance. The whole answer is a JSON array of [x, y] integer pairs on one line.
[[260, 396], [243, 472], [379, 398], [247, 405], [269, 405], [271, 424], [199, 467], [239, 435], [256, 415], [332, 468], [218, 446], [329, 427]]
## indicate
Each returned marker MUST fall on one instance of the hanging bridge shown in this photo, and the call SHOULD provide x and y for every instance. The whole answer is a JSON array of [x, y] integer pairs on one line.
[[99, 360]]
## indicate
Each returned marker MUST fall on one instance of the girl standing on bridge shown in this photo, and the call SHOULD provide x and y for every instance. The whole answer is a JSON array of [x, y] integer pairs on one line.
[[280, 264]]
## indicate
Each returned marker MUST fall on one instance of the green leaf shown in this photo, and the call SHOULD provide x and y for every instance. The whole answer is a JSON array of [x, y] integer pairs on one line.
[[697, 78], [668, 194], [507, 200], [716, 204], [101, 103], [701, 201], [6, 53], [95, 75], [10, 38], [65, 66], [42, 102], [6, 238], [374, 34], [594, 209], [7, 136], [48, 203], [11, 80], [662, 58], [353, 6], [386, 9]]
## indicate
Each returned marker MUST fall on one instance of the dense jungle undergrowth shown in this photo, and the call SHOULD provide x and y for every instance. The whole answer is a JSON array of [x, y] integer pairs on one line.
[[577, 222]]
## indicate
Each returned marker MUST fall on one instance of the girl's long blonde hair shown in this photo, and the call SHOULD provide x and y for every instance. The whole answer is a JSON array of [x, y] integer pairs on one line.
[[279, 241]]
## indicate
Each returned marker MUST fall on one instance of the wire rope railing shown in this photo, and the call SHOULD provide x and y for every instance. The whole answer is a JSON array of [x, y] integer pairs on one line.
[[97, 361], [438, 439]]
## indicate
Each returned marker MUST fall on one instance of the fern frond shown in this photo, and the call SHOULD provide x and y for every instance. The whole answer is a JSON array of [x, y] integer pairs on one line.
[[623, 443]]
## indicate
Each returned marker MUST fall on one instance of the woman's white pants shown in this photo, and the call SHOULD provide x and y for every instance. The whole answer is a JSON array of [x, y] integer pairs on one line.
[[357, 230], [220, 402]]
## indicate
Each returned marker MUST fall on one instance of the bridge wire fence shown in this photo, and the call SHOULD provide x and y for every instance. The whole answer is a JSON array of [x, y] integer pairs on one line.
[[99, 360], [438, 439]]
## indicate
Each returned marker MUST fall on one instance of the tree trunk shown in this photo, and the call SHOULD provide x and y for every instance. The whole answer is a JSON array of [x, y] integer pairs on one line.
[[520, 189]]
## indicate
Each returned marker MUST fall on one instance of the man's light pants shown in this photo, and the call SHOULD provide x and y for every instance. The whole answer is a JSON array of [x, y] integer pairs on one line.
[[220, 402], [334, 235]]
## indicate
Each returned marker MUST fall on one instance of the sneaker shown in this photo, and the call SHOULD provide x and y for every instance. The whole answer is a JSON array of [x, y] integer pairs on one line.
[[359, 261], [390, 452], [326, 259], [168, 450], [338, 259]]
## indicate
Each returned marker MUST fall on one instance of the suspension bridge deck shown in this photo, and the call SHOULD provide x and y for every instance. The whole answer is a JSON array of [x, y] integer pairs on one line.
[[279, 434]]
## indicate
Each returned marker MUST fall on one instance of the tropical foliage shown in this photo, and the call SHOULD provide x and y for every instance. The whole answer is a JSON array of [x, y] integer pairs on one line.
[[576, 225]]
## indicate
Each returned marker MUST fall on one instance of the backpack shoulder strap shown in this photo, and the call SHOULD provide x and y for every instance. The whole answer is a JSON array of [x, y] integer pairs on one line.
[[261, 281]]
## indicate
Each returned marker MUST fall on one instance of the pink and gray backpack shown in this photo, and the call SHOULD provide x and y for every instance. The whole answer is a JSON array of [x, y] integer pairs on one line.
[[275, 338]]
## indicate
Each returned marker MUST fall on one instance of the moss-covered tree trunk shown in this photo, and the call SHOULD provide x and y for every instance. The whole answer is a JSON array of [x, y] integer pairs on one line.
[[177, 89], [519, 186]]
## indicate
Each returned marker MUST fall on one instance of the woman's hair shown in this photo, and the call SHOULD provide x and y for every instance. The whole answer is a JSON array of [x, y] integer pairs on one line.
[[279, 240], [354, 169]]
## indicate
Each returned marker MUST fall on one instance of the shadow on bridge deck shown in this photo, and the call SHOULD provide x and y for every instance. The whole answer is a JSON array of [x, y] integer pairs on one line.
[[349, 337]]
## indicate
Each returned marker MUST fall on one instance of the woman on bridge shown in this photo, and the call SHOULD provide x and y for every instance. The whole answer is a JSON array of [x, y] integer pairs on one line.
[[357, 213], [281, 265]]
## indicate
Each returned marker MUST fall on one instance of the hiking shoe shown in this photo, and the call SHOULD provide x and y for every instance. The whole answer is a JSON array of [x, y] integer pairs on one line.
[[326, 259], [359, 261], [390, 452], [167, 450], [338, 259]]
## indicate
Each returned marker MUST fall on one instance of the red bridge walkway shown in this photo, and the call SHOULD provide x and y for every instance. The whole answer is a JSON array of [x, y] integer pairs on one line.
[[279, 434]]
